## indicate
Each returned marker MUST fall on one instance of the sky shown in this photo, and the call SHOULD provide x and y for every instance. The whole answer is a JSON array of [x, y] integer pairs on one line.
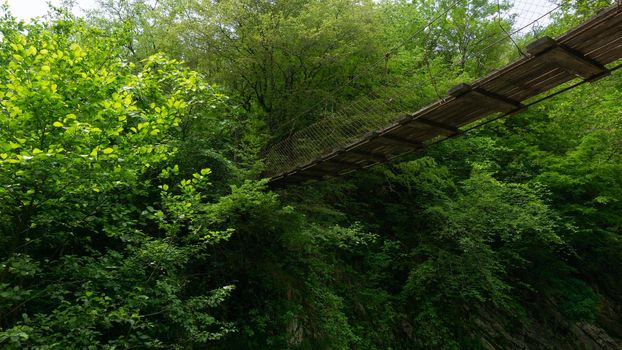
[[27, 9], [528, 10]]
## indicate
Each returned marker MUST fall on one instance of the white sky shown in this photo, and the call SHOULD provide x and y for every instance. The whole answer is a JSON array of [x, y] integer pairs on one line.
[[27, 9], [528, 10]]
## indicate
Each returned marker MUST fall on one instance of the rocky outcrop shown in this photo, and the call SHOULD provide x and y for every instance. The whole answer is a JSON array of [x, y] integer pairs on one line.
[[551, 330]]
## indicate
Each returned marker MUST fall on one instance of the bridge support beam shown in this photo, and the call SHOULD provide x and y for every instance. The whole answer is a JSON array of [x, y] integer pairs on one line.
[[480, 97], [393, 140], [341, 163], [305, 175], [399, 141], [549, 50], [315, 171], [379, 158], [447, 129]]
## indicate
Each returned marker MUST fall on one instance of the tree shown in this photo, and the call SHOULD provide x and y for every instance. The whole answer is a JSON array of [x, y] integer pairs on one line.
[[102, 236], [289, 59]]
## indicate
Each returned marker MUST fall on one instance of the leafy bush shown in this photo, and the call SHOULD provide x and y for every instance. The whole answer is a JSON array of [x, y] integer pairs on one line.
[[103, 240]]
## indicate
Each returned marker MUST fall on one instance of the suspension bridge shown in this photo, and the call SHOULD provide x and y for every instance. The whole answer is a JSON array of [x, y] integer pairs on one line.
[[379, 130]]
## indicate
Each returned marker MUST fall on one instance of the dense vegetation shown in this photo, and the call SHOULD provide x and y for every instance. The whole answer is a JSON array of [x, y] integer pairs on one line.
[[133, 213]]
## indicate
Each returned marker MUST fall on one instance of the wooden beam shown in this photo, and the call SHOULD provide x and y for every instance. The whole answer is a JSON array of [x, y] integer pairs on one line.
[[496, 102], [380, 158], [321, 174], [287, 180], [447, 129], [460, 90], [481, 97], [399, 141], [315, 170], [305, 175], [370, 135], [375, 136], [404, 119], [276, 178], [541, 46], [341, 163], [514, 82], [300, 171], [549, 50]]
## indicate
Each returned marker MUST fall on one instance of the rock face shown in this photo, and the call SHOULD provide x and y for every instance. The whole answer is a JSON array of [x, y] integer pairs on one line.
[[590, 336], [553, 331]]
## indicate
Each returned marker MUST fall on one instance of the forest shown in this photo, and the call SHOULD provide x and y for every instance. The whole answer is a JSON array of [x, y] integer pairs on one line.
[[135, 210]]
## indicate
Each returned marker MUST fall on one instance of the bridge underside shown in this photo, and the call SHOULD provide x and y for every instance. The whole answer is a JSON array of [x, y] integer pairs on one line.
[[583, 52]]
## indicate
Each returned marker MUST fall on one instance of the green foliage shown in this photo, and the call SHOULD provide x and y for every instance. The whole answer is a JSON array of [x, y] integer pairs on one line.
[[131, 217], [281, 57], [102, 240]]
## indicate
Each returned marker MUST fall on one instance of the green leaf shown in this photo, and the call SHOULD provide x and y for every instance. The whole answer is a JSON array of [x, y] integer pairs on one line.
[[31, 51]]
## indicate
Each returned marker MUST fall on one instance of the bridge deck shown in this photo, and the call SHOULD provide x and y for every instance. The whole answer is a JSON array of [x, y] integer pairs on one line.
[[582, 52]]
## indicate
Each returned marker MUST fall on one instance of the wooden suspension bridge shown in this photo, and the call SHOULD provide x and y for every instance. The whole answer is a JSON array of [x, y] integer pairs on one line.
[[586, 52]]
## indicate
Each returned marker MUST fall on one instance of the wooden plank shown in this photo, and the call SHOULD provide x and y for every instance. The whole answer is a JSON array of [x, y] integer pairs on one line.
[[554, 78], [498, 103], [602, 20], [341, 163], [479, 97], [604, 41], [380, 158], [605, 53], [464, 114], [606, 45], [517, 87], [391, 140], [337, 156], [517, 75], [576, 63], [416, 131], [614, 54], [304, 175], [591, 30], [595, 39], [547, 49], [452, 107], [445, 128], [317, 172], [316, 169], [399, 141]]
